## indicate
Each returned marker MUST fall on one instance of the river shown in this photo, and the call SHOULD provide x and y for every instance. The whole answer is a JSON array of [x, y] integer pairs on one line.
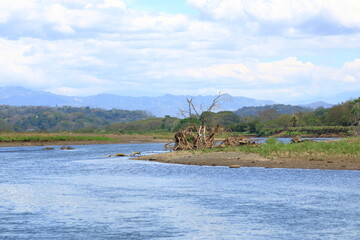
[[79, 194]]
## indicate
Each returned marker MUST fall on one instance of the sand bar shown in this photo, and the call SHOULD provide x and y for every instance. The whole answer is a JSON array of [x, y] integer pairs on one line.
[[242, 159]]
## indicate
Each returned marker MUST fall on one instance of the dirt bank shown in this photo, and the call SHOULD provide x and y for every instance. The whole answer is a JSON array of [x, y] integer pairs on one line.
[[241, 159]]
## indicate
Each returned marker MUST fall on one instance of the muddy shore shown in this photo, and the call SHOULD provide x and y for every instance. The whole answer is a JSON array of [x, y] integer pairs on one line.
[[241, 159]]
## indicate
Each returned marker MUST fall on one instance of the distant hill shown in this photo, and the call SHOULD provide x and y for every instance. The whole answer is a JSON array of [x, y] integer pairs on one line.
[[280, 109], [63, 118], [19, 96], [316, 105], [159, 106]]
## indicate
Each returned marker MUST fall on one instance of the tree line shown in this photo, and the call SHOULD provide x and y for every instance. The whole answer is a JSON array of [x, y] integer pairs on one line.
[[287, 120], [66, 118], [267, 120]]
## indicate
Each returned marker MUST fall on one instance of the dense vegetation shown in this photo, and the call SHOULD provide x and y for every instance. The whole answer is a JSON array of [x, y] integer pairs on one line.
[[347, 148], [152, 124], [275, 108], [281, 120], [63, 118], [340, 119], [38, 137]]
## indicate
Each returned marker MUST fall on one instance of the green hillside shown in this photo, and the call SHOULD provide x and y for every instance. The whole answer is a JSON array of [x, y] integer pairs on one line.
[[278, 109], [40, 118]]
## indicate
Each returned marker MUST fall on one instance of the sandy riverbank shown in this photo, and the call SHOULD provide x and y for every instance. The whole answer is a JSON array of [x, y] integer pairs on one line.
[[241, 159]]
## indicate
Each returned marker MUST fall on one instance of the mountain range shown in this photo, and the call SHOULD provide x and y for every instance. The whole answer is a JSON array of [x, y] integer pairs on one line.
[[158, 106]]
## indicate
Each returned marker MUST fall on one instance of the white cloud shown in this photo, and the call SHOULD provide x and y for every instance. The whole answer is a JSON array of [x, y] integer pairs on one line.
[[284, 80], [87, 47], [283, 13], [60, 15], [113, 4], [253, 73], [353, 66], [64, 29], [346, 11], [16, 67], [16, 8], [218, 9], [161, 22], [351, 70]]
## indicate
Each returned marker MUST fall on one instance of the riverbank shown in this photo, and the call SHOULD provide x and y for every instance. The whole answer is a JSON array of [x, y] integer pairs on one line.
[[343, 154], [242, 159], [54, 139]]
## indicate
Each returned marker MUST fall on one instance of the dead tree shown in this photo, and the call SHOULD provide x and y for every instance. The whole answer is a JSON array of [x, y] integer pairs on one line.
[[195, 137], [192, 111]]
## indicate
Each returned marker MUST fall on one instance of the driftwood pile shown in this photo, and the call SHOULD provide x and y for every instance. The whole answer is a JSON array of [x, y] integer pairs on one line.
[[236, 141], [197, 137], [194, 137], [299, 140]]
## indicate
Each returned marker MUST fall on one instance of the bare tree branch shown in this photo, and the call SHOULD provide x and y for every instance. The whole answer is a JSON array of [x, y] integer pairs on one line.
[[183, 113], [193, 110], [216, 101], [201, 136]]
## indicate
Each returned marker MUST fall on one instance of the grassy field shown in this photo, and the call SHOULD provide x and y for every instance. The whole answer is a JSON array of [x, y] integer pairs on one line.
[[344, 148], [155, 134], [50, 137], [36, 138]]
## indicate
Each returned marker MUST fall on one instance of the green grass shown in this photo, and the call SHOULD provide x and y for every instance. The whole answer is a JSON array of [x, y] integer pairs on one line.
[[308, 131], [50, 137], [153, 134], [348, 147]]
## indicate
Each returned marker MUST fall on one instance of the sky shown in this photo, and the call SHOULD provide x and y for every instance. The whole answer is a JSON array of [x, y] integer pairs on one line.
[[288, 51]]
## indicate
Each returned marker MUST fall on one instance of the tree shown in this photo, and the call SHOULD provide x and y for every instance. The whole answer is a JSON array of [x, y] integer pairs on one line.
[[168, 123], [294, 120], [226, 118], [194, 111], [5, 126], [339, 115], [268, 115], [187, 122], [355, 110], [197, 136]]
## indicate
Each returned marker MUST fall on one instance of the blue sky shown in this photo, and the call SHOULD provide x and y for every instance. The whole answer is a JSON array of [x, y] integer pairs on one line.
[[288, 51], [166, 6]]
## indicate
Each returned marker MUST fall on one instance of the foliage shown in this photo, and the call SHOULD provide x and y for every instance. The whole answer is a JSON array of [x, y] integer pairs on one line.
[[31, 137], [146, 125], [277, 108], [224, 118], [294, 120], [187, 122], [283, 120], [306, 131], [273, 148], [63, 118], [342, 119], [344, 148], [5, 126]]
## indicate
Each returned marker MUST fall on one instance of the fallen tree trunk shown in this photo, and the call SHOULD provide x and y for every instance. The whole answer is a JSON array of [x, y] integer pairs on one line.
[[236, 141]]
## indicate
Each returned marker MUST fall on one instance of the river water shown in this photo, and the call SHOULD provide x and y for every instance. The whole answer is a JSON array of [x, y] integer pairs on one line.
[[79, 194]]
